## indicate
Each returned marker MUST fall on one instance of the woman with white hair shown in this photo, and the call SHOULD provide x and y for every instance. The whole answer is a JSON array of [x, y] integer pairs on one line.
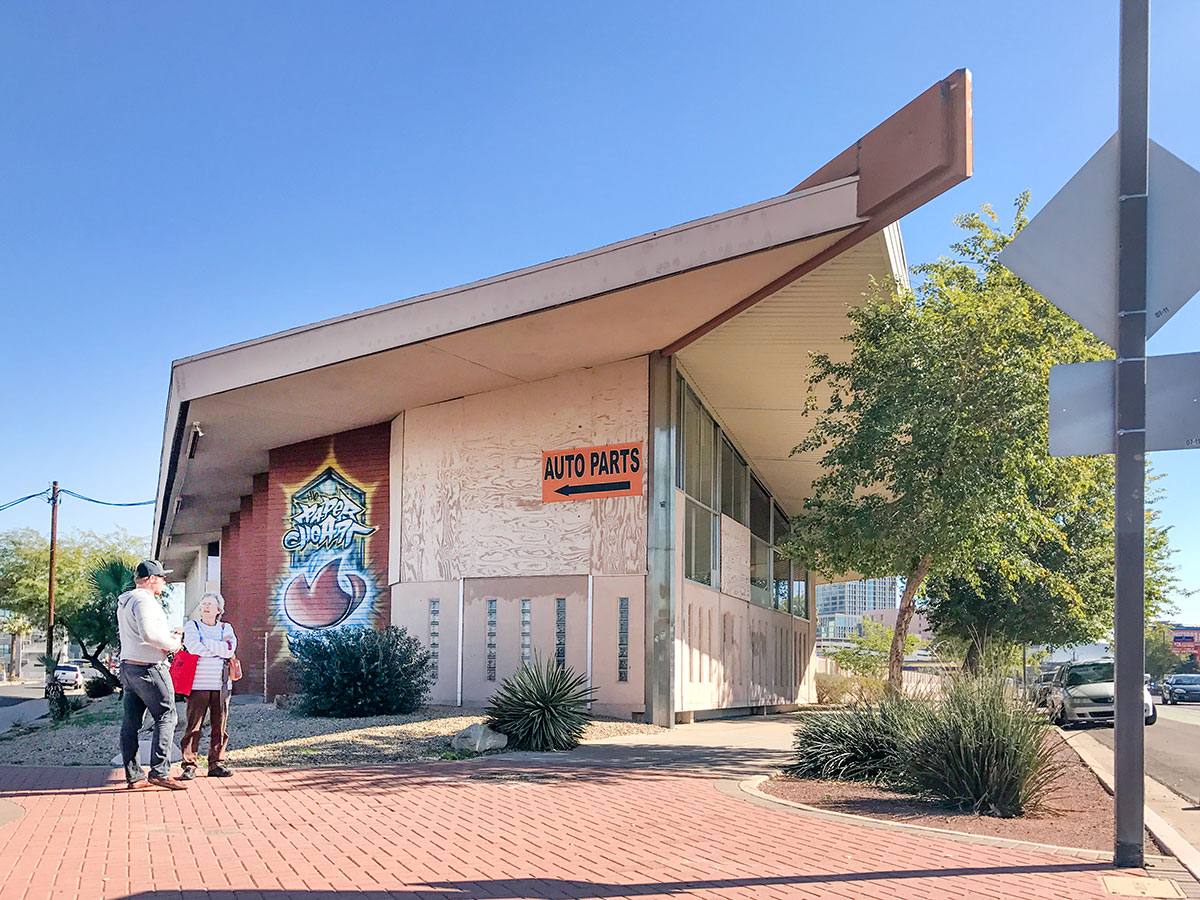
[[215, 643]]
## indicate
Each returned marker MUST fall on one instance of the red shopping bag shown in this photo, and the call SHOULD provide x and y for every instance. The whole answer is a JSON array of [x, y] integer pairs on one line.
[[183, 671]]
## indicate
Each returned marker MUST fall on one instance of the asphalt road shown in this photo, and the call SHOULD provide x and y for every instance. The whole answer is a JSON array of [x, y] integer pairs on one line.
[[1171, 748]]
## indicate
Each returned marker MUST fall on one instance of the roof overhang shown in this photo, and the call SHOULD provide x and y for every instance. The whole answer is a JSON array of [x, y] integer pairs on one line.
[[666, 290]]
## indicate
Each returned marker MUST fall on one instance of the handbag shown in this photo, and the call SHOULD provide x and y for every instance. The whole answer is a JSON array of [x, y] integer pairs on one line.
[[183, 670], [235, 669]]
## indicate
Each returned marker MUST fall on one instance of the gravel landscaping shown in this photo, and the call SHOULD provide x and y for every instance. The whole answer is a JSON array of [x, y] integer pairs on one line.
[[262, 735], [1081, 816]]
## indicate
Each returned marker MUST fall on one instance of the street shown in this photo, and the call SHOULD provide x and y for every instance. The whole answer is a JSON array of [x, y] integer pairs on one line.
[[1171, 757]]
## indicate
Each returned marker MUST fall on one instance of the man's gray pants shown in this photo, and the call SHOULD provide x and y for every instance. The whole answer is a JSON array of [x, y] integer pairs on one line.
[[147, 687]]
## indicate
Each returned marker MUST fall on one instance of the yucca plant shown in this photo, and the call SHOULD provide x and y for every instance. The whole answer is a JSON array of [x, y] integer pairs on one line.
[[983, 749], [863, 743], [541, 707]]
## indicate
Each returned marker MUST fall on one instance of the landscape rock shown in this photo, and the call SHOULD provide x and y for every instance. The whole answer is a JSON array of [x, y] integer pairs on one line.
[[478, 738]]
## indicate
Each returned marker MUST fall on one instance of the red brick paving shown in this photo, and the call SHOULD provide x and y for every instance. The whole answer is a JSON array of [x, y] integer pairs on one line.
[[427, 832]]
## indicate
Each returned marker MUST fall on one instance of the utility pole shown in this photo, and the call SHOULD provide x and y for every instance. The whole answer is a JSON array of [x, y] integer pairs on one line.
[[50, 597], [1130, 612]]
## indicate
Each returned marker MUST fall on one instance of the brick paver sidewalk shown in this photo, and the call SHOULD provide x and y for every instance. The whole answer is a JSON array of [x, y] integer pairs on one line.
[[459, 830]]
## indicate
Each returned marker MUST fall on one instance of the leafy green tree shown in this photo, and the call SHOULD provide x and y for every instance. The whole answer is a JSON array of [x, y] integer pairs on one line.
[[867, 653], [17, 627], [934, 431], [25, 567], [93, 626], [1161, 660]]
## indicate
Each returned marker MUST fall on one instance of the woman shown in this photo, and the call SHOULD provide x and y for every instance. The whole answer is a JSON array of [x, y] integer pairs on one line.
[[214, 642]]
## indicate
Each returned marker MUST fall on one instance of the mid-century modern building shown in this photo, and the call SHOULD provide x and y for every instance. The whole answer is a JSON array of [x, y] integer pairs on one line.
[[588, 460]]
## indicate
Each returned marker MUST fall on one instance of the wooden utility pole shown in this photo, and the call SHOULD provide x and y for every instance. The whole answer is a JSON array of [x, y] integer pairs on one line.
[[50, 596]]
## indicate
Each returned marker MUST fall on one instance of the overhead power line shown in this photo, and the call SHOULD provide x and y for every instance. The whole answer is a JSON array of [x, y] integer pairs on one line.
[[103, 502], [12, 503]]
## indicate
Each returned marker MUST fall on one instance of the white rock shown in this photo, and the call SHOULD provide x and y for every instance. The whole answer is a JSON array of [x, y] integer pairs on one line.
[[144, 753], [477, 738]]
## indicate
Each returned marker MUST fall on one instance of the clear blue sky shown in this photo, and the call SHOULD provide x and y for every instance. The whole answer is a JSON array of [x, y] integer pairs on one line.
[[178, 177]]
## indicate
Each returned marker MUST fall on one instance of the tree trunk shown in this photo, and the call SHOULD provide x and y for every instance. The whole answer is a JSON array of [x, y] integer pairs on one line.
[[975, 652], [895, 683], [14, 661], [94, 659]]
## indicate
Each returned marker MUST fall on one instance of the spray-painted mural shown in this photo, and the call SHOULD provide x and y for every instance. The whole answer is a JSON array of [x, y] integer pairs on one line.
[[327, 582]]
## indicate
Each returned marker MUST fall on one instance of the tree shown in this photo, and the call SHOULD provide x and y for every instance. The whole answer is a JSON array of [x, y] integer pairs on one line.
[[17, 627], [867, 653], [1161, 660], [25, 566], [934, 433], [93, 626], [1074, 606]]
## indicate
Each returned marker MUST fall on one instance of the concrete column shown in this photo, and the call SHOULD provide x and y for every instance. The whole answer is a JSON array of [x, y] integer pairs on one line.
[[660, 544]]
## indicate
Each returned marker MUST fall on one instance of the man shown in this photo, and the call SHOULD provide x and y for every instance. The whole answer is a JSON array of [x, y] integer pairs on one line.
[[145, 677]]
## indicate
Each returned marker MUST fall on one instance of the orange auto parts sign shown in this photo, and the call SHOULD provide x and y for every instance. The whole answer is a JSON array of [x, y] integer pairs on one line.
[[591, 473]]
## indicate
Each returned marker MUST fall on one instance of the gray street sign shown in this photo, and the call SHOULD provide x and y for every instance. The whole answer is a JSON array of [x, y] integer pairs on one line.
[[1082, 401], [1065, 252]]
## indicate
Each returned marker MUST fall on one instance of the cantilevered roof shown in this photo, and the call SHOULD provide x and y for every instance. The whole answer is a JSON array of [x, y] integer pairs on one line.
[[689, 290]]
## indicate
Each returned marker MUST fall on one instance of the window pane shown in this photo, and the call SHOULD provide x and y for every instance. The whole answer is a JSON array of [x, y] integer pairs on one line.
[[782, 526], [799, 593], [760, 572], [782, 588], [698, 544], [727, 479], [691, 445], [706, 475], [760, 511]]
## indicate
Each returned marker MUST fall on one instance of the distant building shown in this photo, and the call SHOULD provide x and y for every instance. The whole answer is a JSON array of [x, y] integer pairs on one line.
[[842, 606], [918, 624]]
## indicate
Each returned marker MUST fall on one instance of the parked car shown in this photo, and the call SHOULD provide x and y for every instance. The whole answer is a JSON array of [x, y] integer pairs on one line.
[[1182, 689], [1040, 689], [68, 675], [1082, 693]]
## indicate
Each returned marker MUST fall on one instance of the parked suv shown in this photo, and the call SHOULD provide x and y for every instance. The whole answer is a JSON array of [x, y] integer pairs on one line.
[[1182, 688], [1082, 693]]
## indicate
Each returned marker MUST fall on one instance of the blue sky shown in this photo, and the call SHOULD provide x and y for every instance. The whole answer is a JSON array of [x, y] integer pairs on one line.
[[181, 177]]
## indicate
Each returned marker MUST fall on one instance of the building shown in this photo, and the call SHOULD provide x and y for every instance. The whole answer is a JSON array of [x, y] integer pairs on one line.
[[1185, 640], [586, 460], [841, 607]]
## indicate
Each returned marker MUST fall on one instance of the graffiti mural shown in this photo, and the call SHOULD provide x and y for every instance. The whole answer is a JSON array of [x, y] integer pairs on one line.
[[327, 582]]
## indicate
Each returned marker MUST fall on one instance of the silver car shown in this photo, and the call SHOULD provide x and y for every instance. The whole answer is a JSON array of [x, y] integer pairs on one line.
[[1082, 693]]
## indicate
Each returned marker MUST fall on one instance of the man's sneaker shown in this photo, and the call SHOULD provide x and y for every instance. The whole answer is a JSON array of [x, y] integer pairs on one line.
[[188, 773], [138, 785], [220, 770], [171, 784]]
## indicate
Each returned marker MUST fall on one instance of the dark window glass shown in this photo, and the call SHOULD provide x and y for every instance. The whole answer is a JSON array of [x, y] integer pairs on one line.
[[760, 511], [735, 478], [782, 526], [782, 588]]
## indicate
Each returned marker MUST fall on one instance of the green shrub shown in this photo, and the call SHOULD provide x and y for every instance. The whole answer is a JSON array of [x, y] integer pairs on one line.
[[357, 671], [78, 703], [981, 748], [541, 707], [863, 743], [98, 686]]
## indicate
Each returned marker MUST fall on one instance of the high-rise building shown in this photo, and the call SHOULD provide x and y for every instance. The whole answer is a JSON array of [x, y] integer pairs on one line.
[[841, 606]]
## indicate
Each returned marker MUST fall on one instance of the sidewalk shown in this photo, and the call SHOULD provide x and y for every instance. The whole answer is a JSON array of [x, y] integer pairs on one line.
[[636, 817]]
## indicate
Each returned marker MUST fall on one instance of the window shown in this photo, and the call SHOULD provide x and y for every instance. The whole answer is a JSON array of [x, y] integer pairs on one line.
[[491, 640], [781, 527], [700, 544], [622, 639], [781, 594], [760, 511], [560, 632], [735, 484], [699, 451], [760, 572], [799, 593]]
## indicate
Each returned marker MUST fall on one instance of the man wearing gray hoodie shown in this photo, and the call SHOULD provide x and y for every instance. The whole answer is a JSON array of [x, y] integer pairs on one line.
[[146, 678]]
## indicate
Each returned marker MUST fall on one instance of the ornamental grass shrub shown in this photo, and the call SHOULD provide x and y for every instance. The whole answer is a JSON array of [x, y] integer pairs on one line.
[[975, 746], [983, 749], [543, 706], [865, 742], [357, 671]]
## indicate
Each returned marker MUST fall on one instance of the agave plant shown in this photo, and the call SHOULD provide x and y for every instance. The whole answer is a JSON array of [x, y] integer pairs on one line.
[[541, 707]]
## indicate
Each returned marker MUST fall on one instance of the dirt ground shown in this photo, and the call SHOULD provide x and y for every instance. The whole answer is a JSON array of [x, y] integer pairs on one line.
[[261, 735], [1082, 813]]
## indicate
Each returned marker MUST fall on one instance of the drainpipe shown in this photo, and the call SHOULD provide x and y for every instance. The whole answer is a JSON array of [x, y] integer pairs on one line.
[[461, 604]]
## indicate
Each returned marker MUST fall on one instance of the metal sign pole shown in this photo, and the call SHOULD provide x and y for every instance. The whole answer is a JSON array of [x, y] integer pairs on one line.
[[1131, 432]]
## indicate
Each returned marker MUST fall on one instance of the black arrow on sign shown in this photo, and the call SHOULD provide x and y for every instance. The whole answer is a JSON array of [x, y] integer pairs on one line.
[[568, 489]]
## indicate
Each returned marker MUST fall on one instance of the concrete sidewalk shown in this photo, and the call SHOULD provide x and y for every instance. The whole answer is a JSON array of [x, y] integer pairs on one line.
[[639, 816]]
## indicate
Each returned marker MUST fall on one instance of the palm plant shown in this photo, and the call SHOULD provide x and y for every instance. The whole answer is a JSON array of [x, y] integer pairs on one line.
[[541, 707]]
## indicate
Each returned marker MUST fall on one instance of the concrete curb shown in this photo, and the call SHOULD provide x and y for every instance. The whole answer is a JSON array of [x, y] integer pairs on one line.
[[751, 786], [1162, 832]]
